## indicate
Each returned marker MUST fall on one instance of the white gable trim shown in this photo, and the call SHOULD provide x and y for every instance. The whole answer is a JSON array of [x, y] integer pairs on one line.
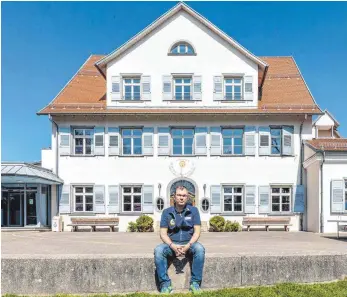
[[337, 124], [180, 6]]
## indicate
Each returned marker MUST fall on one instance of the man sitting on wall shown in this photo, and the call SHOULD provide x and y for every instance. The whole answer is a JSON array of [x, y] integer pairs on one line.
[[180, 228]]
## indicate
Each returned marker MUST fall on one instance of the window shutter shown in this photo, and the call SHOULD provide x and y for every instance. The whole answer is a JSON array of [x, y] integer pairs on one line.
[[218, 88], [99, 141], [163, 141], [250, 138], [64, 141], [200, 141], [216, 135], [64, 202], [113, 199], [148, 195], [264, 199], [248, 88], [146, 87], [197, 87], [264, 141], [287, 140], [99, 198], [299, 199], [216, 206], [337, 189], [167, 87], [250, 199], [116, 88], [114, 140], [147, 140]]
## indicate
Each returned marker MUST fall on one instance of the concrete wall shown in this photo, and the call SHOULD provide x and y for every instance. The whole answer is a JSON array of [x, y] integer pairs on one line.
[[214, 57]]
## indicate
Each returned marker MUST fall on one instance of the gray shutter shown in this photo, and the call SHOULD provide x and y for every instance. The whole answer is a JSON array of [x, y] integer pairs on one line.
[[264, 199], [197, 87], [264, 141], [248, 88], [299, 199], [64, 201], [250, 199], [218, 88], [200, 141], [167, 87], [250, 139], [64, 141], [148, 195], [147, 140], [216, 139], [99, 141], [113, 199], [163, 141], [287, 140], [116, 88], [114, 141], [146, 87], [337, 189], [99, 198], [216, 205]]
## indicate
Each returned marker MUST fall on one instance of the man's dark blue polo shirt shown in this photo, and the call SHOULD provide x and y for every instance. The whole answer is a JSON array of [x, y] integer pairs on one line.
[[180, 225]]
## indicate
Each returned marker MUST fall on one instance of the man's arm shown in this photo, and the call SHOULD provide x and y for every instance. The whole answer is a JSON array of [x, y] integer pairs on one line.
[[166, 239]]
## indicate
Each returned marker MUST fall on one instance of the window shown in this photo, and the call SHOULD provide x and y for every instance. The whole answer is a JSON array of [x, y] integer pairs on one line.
[[132, 141], [182, 141], [132, 198], [205, 205], [160, 204], [183, 88], [232, 197], [83, 141], [182, 48], [113, 140], [276, 140], [280, 199], [346, 194], [232, 141], [84, 198], [132, 88], [233, 88]]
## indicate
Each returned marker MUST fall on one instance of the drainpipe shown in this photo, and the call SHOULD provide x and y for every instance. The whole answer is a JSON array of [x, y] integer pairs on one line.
[[321, 215], [301, 165]]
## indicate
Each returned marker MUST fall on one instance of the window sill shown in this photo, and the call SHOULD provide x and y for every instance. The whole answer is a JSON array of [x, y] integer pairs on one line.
[[239, 214], [233, 101], [233, 156], [83, 214], [130, 101], [130, 213], [184, 101], [282, 214], [134, 156], [181, 156], [89, 156]]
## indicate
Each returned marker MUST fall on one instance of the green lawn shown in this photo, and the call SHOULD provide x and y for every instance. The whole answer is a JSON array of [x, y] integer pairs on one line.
[[335, 289]]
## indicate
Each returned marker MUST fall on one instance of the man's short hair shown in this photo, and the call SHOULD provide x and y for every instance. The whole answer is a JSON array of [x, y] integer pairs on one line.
[[181, 188]]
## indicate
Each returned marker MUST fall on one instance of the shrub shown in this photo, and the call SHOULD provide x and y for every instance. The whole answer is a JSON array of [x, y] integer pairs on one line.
[[232, 227], [132, 227], [144, 223], [217, 223]]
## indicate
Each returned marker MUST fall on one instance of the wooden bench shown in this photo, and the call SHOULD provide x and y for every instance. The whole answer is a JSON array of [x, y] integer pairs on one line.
[[266, 221], [93, 223]]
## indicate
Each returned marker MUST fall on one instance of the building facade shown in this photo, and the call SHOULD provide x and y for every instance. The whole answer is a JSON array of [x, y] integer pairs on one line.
[[181, 103]]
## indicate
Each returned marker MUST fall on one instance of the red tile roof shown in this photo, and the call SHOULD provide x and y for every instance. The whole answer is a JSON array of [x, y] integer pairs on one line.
[[331, 144], [284, 91]]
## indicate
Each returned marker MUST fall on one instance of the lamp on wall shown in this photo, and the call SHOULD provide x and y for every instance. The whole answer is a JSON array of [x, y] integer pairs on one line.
[[204, 186], [159, 188]]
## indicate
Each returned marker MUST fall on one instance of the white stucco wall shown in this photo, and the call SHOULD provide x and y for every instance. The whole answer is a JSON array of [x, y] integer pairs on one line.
[[47, 159], [214, 57], [209, 170]]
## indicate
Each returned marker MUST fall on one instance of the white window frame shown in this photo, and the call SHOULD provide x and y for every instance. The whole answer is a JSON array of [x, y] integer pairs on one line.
[[242, 194], [232, 141], [183, 84], [182, 142], [83, 194], [202, 205], [132, 84], [132, 141], [132, 194], [345, 198], [84, 137], [280, 194], [178, 46], [233, 84], [156, 204], [281, 141]]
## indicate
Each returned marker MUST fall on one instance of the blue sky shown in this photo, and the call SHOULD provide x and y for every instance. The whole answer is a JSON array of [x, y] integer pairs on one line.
[[44, 44]]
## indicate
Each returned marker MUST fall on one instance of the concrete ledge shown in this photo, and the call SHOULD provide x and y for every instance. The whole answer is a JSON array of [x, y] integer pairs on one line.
[[44, 274]]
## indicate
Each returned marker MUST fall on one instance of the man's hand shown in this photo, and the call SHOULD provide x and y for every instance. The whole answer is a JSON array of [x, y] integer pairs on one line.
[[184, 248], [177, 249]]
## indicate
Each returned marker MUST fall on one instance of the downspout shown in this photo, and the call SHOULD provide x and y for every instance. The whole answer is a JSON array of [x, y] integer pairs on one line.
[[321, 215], [301, 166]]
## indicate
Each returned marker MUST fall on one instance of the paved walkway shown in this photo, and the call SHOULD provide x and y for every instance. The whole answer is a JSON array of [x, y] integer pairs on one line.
[[105, 243]]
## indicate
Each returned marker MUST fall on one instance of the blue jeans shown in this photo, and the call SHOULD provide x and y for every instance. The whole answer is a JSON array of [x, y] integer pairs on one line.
[[161, 254]]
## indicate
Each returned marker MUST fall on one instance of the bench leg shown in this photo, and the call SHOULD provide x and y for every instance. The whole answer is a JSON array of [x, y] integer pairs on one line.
[[286, 228], [267, 228], [248, 228]]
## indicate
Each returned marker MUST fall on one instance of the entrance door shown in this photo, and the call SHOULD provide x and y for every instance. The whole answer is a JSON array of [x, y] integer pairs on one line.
[[4, 209], [11, 209], [31, 208]]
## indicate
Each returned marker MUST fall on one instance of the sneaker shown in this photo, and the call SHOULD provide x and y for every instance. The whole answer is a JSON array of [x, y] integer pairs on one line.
[[166, 290], [195, 288]]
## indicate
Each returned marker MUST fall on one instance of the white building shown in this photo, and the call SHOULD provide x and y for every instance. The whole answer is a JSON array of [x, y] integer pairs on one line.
[[181, 102]]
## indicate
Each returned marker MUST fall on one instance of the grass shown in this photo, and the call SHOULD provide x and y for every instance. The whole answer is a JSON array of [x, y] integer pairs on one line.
[[333, 289]]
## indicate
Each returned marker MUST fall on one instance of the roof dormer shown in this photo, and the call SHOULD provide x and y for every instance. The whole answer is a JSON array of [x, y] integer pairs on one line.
[[325, 126]]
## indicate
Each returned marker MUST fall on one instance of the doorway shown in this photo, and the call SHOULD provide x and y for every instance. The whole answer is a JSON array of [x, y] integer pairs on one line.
[[12, 208]]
